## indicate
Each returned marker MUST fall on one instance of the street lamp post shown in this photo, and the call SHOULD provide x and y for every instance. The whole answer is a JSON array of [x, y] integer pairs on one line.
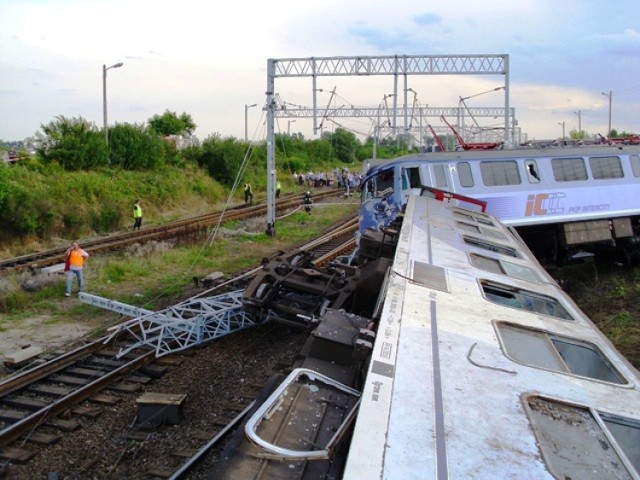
[[609, 96], [246, 121], [104, 98], [562, 124], [579, 113], [289, 122]]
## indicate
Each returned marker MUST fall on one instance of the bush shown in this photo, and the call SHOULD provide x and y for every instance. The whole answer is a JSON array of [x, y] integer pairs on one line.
[[74, 143], [135, 147], [222, 159], [108, 218]]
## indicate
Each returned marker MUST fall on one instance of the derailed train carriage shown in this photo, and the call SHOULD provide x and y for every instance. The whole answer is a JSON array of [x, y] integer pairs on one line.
[[559, 199], [456, 356]]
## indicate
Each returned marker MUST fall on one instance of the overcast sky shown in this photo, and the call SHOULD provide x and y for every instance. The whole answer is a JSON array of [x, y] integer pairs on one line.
[[209, 59]]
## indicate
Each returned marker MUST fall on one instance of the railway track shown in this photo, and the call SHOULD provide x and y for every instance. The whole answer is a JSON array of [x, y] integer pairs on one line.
[[178, 228], [72, 384]]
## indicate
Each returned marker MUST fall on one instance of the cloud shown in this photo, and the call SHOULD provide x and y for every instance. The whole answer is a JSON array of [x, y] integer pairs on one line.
[[427, 19], [209, 62]]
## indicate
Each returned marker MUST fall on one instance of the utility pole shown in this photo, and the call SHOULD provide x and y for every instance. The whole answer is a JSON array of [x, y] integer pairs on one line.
[[579, 113], [104, 98], [609, 96]]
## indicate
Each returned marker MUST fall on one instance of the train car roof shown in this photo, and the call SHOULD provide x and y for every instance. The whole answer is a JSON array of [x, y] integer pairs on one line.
[[509, 153]]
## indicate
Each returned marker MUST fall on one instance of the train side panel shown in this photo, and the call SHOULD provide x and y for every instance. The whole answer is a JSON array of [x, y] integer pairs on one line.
[[521, 188]]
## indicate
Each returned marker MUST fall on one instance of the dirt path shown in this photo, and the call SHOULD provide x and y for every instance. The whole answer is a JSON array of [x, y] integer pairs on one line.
[[38, 332]]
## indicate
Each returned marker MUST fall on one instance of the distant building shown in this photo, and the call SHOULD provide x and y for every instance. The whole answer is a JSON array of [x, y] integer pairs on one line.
[[9, 157], [181, 142]]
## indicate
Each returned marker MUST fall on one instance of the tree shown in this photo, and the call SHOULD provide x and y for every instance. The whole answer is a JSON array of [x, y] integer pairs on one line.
[[135, 147], [74, 143], [222, 158], [576, 135], [344, 144], [169, 123]]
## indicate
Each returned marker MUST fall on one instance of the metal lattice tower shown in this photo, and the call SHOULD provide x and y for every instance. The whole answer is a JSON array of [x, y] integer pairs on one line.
[[179, 327]]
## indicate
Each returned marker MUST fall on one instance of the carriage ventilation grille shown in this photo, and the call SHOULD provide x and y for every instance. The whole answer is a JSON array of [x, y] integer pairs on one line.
[[430, 276]]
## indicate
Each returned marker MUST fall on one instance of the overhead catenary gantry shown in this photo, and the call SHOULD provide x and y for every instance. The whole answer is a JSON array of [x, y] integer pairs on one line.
[[359, 66], [419, 113]]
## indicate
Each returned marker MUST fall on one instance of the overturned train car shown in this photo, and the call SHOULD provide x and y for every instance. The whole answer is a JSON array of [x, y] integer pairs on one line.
[[455, 355]]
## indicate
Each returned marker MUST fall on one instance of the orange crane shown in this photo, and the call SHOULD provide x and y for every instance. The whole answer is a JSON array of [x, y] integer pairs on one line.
[[437, 139]]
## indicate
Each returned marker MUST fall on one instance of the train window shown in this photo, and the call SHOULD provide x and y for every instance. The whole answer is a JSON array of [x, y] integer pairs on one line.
[[474, 228], [575, 441], [474, 217], [586, 359], [410, 178], [441, 178], [524, 300], [464, 174], [491, 232], [553, 352], [568, 169], [605, 167], [379, 185], [492, 247], [519, 271], [468, 227], [627, 434], [503, 267], [500, 173], [532, 171], [487, 264], [635, 165]]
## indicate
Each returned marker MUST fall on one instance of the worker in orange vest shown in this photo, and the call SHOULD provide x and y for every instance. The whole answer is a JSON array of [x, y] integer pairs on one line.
[[75, 258]]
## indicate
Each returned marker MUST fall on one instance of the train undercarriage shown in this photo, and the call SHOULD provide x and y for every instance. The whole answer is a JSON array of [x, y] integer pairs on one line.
[[563, 242], [300, 425]]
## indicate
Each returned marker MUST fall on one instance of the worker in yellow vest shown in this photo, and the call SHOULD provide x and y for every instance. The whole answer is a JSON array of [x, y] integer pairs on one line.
[[75, 258], [248, 194], [137, 215]]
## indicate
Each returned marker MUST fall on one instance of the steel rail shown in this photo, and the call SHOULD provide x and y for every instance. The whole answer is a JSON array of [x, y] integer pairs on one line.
[[169, 230], [20, 380], [193, 461], [23, 379], [16, 430]]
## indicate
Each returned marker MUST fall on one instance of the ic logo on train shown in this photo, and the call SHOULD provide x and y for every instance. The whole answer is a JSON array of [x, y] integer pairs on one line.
[[544, 204]]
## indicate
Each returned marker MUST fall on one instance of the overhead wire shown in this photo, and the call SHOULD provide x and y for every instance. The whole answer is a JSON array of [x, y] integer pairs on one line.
[[214, 232]]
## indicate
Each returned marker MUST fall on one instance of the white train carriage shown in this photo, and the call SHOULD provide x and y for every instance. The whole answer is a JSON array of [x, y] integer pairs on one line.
[[581, 195], [484, 368]]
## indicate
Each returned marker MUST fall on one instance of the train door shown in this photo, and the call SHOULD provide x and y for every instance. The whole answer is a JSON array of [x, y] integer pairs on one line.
[[410, 182]]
